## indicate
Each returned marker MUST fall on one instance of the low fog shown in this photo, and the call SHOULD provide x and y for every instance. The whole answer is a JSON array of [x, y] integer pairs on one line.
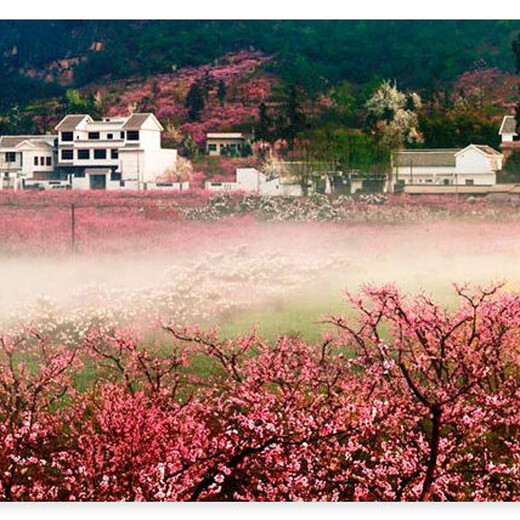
[[270, 266]]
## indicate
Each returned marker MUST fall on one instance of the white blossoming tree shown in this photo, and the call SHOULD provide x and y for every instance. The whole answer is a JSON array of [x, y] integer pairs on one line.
[[394, 115]]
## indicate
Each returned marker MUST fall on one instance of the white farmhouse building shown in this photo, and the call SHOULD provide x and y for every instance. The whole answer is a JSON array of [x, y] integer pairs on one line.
[[475, 165], [251, 180], [113, 153], [510, 140], [227, 143], [26, 158]]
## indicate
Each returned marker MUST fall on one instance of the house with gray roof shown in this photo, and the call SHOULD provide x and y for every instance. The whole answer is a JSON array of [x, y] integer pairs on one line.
[[113, 152], [26, 158], [509, 138], [472, 165]]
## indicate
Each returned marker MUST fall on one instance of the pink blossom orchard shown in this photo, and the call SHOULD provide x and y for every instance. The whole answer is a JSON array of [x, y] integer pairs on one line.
[[407, 401]]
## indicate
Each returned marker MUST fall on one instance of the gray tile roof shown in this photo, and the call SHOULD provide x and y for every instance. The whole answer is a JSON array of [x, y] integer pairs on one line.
[[69, 123], [136, 121], [425, 158], [508, 125], [12, 141]]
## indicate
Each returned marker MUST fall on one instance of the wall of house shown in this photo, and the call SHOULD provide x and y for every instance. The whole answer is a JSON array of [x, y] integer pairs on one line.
[[475, 162], [404, 171], [29, 168], [223, 142]]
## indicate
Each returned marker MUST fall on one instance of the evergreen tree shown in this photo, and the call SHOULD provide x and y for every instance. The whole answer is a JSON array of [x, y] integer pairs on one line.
[[263, 126], [194, 102], [294, 117], [221, 92]]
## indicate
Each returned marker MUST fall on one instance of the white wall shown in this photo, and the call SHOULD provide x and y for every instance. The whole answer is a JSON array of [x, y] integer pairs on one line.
[[475, 162]]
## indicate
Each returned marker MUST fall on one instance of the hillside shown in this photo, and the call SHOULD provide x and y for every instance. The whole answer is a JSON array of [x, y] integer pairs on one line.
[[42, 57]]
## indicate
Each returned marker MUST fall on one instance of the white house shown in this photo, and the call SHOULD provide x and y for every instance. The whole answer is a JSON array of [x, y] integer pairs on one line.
[[507, 130], [473, 165], [113, 153], [510, 141], [227, 143], [26, 158]]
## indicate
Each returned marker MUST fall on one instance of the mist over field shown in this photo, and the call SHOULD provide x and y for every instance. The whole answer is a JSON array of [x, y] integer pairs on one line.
[[278, 275]]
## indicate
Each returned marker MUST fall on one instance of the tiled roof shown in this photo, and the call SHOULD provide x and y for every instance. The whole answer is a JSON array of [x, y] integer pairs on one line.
[[508, 125], [136, 121], [12, 141], [69, 123], [425, 158], [487, 149]]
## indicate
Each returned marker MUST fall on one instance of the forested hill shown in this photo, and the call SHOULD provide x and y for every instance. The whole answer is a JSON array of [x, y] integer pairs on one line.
[[40, 57]]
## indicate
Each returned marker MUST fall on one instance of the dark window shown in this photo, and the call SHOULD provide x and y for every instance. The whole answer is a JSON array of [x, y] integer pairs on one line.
[[10, 156], [122, 184], [115, 176], [36, 161], [132, 135], [114, 153], [100, 154], [67, 136], [122, 135], [67, 155], [212, 147], [83, 154], [42, 161], [79, 173], [110, 136], [470, 182], [93, 135], [48, 161]]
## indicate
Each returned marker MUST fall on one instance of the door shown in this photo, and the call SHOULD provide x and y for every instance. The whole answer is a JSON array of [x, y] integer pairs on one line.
[[98, 182]]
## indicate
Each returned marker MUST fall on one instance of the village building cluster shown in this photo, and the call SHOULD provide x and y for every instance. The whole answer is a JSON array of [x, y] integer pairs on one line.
[[117, 153]]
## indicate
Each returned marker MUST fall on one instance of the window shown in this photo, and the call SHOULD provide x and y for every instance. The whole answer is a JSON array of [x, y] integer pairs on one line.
[[470, 182], [36, 161], [67, 136], [67, 155], [114, 153], [446, 182], [42, 161], [132, 135], [122, 184], [101, 153], [122, 135], [93, 135], [212, 147], [79, 173], [83, 154], [48, 161], [115, 176], [110, 136], [10, 156]]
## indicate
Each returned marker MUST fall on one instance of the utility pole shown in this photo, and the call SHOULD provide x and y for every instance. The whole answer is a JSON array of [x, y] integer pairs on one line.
[[73, 229]]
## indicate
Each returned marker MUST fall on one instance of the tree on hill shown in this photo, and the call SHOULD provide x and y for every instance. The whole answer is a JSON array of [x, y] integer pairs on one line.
[[393, 115], [292, 119], [195, 102], [263, 130], [221, 92]]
